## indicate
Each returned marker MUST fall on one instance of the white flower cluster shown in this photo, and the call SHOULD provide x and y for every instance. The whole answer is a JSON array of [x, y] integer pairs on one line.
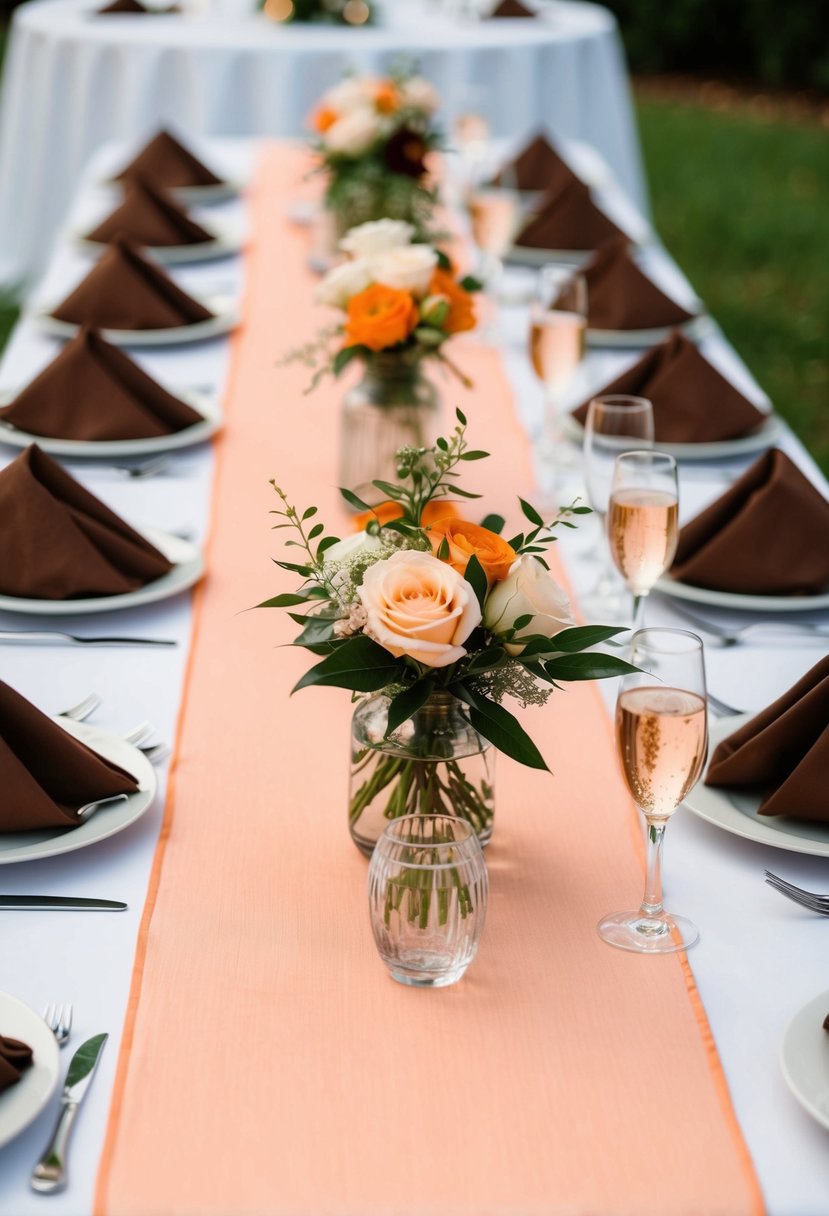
[[365, 108], [379, 252]]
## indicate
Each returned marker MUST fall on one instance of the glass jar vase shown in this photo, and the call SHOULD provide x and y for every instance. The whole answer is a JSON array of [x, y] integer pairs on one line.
[[392, 407], [435, 763]]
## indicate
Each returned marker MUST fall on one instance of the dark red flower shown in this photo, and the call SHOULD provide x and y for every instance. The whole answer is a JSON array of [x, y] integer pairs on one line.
[[405, 153]]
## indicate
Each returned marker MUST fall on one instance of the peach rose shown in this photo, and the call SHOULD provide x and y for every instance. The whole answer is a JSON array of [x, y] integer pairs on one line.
[[463, 539], [385, 512], [380, 317], [419, 607], [461, 306]]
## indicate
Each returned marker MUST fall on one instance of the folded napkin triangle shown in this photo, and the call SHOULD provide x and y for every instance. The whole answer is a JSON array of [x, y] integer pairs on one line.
[[126, 291], [123, 6], [783, 752], [621, 296], [511, 8], [166, 162], [767, 535], [568, 219], [15, 1058], [59, 542], [538, 166], [46, 774], [692, 401], [149, 216], [92, 391]]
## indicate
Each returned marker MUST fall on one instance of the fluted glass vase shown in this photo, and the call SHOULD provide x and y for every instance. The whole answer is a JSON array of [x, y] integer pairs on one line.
[[435, 763], [394, 406]]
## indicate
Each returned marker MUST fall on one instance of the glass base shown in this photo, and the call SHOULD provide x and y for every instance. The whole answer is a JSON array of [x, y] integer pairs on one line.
[[664, 934], [415, 978]]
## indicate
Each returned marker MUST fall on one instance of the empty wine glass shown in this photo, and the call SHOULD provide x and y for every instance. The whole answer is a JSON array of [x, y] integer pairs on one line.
[[662, 743], [643, 521], [615, 424]]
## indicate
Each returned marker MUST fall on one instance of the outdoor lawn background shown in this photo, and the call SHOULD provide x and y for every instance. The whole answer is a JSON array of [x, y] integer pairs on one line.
[[739, 180]]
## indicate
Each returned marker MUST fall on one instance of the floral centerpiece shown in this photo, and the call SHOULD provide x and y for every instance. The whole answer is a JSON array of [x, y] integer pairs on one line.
[[401, 302], [439, 621], [328, 12], [373, 136]]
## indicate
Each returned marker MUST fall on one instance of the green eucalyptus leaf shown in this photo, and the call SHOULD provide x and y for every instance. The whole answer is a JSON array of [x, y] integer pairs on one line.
[[359, 664], [494, 523], [530, 512], [587, 667], [407, 703], [344, 357], [582, 636], [499, 726], [286, 600], [474, 575], [353, 501]]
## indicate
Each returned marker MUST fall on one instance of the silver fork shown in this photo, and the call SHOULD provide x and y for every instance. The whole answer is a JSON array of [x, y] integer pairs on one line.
[[144, 468], [81, 711], [157, 752], [807, 899], [59, 1020], [722, 636], [84, 812], [722, 708], [31, 636]]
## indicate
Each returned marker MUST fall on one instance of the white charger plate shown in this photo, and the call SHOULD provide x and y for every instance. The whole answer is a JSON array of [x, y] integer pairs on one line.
[[21, 1104], [227, 241], [765, 436], [225, 318], [187, 569], [218, 193], [630, 339], [742, 603], [108, 821], [804, 1058], [206, 404], [736, 811]]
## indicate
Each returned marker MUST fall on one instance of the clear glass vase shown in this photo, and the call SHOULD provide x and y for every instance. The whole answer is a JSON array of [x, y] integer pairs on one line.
[[433, 764], [393, 406]]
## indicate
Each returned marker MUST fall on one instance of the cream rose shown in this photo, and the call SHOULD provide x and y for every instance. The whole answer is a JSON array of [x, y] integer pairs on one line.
[[343, 282], [419, 607], [375, 237], [351, 93], [352, 546], [421, 94], [409, 268], [353, 134], [528, 590]]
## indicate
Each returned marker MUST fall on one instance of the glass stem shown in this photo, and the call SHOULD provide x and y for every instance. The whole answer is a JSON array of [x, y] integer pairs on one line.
[[638, 612], [652, 903]]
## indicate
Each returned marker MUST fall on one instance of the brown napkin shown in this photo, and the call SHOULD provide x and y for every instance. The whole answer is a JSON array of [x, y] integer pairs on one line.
[[92, 391], [767, 535], [134, 6], [511, 8], [166, 162], [59, 542], [45, 773], [150, 216], [784, 751], [124, 290], [692, 401], [620, 296], [568, 219], [15, 1058], [537, 167]]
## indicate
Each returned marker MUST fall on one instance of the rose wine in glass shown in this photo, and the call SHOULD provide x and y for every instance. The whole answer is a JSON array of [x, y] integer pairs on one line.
[[556, 346], [643, 520], [493, 216], [662, 744]]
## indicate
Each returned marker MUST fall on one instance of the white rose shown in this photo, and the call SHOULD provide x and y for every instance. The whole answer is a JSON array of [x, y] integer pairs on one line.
[[409, 268], [377, 236], [421, 94], [419, 607], [343, 282], [353, 134], [351, 93], [528, 590], [352, 546]]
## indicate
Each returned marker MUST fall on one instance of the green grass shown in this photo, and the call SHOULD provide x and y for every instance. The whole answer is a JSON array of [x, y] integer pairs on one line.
[[742, 203]]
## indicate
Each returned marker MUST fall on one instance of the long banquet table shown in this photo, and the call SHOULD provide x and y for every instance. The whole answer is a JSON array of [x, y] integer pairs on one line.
[[73, 80], [254, 1034]]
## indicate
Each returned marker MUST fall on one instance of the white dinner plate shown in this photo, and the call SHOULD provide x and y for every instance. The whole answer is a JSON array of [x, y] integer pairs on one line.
[[205, 403], [804, 1058], [195, 195], [109, 820], [187, 569], [21, 1104], [736, 811], [765, 436], [225, 243], [225, 318], [632, 339], [742, 603]]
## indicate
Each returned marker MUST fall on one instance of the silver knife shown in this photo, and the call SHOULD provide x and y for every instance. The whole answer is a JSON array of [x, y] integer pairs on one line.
[[46, 903], [50, 1172]]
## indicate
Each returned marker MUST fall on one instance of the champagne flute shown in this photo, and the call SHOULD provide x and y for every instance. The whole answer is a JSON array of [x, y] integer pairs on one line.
[[558, 320], [493, 204], [643, 521], [615, 424], [662, 743]]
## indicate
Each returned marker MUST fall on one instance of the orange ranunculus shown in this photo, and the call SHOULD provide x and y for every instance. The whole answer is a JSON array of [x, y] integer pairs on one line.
[[385, 512], [323, 118], [461, 307], [464, 539], [387, 97], [380, 317]]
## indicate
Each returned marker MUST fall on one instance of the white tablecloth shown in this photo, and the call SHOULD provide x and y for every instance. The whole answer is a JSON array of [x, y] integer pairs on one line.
[[73, 80], [759, 958]]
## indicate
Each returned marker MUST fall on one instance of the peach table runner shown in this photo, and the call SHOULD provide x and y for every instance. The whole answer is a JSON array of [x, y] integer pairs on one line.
[[269, 1064]]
